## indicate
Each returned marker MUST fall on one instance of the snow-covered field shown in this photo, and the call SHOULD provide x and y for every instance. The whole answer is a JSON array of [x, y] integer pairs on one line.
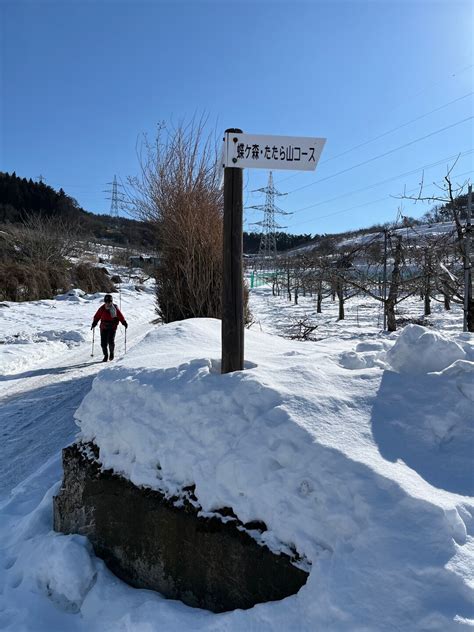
[[357, 449]]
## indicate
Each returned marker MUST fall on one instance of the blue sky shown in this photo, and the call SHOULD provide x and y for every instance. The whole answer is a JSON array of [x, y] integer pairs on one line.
[[81, 81]]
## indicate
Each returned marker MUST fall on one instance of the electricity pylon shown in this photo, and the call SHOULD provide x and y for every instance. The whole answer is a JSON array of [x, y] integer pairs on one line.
[[268, 249], [117, 201]]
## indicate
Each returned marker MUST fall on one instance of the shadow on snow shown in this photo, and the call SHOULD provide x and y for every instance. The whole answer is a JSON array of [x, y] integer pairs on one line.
[[48, 371], [35, 425], [424, 420]]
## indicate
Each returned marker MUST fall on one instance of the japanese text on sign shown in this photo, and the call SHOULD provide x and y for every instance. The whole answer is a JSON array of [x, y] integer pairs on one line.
[[272, 152]]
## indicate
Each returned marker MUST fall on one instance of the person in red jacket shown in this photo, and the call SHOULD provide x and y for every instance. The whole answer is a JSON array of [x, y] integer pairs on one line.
[[109, 316]]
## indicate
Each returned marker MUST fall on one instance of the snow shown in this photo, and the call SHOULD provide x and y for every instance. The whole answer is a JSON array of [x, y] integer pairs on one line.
[[437, 229], [355, 449], [46, 369], [418, 350]]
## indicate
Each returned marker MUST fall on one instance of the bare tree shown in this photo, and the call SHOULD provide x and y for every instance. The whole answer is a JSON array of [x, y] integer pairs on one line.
[[43, 240], [178, 190], [367, 276], [459, 286]]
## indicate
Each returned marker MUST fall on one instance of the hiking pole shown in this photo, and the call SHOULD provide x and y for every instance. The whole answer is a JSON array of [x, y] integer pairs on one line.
[[125, 341], [93, 338]]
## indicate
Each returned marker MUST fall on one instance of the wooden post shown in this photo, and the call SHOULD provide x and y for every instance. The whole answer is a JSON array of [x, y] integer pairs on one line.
[[232, 272], [385, 279]]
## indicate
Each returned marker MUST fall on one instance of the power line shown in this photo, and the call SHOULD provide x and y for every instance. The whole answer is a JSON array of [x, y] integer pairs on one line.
[[394, 129], [459, 175], [397, 128], [391, 179], [387, 153], [376, 184], [404, 124]]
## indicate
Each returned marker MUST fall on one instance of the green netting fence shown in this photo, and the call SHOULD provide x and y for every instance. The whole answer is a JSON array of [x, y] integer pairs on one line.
[[258, 279]]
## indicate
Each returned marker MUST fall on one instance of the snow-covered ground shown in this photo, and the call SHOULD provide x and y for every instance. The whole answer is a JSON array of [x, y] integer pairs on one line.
[[46, 369], [357, 449], [437, 230]]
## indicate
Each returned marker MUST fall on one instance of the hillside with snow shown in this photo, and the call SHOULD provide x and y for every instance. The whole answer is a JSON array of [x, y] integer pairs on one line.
[[435, 230], [355, 448]]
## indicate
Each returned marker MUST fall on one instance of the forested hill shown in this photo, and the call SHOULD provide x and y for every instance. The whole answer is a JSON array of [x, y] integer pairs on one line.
[[20, 198], [284, 241]]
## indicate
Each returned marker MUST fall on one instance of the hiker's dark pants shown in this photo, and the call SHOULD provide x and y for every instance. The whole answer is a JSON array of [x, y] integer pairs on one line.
[[107, 340]]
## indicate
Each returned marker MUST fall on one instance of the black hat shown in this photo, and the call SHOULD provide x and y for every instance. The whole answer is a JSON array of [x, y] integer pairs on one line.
[[108, 298]]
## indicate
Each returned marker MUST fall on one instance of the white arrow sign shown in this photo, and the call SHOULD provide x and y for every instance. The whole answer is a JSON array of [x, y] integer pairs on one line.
[[272, 152]]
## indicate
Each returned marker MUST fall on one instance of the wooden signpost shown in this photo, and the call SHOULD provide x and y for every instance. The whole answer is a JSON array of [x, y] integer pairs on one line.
[[260, 152]]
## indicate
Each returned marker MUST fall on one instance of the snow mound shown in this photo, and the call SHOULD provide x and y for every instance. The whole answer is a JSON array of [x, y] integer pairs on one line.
[[62, 568], [76, 295], [21, 351], [463, 372], [292, 442], [21, 354], [369, 346], [420, 350], [358, 360], [71, 338]]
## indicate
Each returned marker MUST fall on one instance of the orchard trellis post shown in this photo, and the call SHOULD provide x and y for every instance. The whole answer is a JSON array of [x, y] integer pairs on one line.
[[261, 152], [467, 263]]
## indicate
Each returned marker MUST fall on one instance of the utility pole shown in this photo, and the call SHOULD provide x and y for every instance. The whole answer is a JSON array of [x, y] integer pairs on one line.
[[467, 263]]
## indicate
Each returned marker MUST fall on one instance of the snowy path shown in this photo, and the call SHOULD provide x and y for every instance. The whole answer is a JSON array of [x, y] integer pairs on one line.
[[37, 405], [37, 424]]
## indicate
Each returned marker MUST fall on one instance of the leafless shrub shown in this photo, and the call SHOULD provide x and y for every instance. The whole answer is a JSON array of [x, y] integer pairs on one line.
[[178, 190], [27, 282], [91, 279], [301, 329], [43, 240], [121, 257]]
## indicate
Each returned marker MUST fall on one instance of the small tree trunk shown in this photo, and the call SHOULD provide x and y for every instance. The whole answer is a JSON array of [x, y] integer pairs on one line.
[[296, 294], [447, 301], [427, 288], [470, 316], [391, 320], [319, 303], [394, 287], [340, 296], [341, 308], [427, 303]]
